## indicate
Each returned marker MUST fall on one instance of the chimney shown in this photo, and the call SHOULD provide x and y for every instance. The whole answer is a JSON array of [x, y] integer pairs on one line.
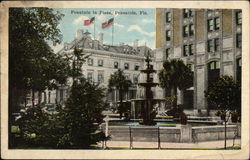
[[79, 33], [100, 38], [66, 46], [135, 44]]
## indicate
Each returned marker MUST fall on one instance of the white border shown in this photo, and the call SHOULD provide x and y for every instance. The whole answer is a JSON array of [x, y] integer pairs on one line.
[[126, 154]]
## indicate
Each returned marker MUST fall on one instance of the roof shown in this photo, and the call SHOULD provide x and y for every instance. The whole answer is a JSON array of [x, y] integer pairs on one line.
[[87, 42]]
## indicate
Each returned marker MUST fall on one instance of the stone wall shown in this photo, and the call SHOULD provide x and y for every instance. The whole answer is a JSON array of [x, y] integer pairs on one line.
[[181, 133]]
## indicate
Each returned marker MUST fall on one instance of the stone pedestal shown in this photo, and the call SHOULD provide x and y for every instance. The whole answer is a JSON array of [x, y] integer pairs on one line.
[[186, 133]]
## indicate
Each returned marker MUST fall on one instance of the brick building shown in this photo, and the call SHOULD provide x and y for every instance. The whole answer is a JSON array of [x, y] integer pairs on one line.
[[209, 41]]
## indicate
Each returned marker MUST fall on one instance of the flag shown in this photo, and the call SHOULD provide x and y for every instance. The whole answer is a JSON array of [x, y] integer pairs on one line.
[[108, 23], [89, 21]]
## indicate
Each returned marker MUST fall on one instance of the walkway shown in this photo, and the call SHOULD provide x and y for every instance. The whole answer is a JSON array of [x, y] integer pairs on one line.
[[169, 145]]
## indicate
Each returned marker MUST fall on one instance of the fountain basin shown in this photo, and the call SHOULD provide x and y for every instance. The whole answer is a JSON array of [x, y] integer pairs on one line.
[[179, 134], [161, 123]]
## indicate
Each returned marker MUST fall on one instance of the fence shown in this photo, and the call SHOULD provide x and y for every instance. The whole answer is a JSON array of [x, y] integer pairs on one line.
[[179, 134]]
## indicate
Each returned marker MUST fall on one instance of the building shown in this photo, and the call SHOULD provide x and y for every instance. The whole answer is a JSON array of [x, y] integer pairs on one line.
[[209, 41], [103, 60]]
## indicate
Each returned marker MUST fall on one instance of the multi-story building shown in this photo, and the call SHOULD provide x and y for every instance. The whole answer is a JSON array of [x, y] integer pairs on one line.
[[209, 41], [103, 60]]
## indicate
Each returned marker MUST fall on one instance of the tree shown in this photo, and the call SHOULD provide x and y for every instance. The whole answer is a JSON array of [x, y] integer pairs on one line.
[[175, 75], [77, 58], [225, 94], [119, 81], [32, 64], [82, 116]]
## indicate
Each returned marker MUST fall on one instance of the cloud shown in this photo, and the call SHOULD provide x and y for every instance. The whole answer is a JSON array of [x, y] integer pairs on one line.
[[148, 21], [138, 29], [102, 18], [149, 43], [79, 20], [119, 25]]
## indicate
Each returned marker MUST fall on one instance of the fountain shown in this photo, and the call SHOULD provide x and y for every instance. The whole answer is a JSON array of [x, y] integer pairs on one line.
[[147, 112]]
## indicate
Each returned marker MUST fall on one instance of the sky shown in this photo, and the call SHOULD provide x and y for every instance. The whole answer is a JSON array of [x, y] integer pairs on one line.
[[129, 24]]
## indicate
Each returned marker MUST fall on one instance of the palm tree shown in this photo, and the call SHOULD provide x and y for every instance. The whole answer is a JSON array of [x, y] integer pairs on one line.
[[175, 75], [119, 81]]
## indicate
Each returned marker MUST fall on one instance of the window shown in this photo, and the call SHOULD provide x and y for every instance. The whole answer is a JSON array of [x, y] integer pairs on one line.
[[168, 35], [213, 75], [90, 62], [187, 13], [188, 50], [238, 69], [239, 18], [216, 44], [210, 46], [127, 77], [115, 64], [214, 65], [238, 40], [210, 24], [100, 78], [191, 67], [191, 49], [191, 29], [213, 24], [216, 23], [135, 78], [185, 50], [90, 76], [100, 62], [168, 17], [188, 30], [126, 66], [185, 31], [191, 13], [167, 52], [137, 67]]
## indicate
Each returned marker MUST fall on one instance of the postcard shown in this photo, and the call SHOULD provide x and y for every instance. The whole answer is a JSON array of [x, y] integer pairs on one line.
[[125, 80]]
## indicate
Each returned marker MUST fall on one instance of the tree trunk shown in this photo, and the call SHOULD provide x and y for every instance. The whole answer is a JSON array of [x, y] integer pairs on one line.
[[175, 100], [33, 98], [39, 97], [121, 104], [225, 146]]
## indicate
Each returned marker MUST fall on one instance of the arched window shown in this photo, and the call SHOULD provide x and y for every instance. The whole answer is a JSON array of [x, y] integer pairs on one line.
[[188, 94], [238, 69], [213, 72], [213, 76]]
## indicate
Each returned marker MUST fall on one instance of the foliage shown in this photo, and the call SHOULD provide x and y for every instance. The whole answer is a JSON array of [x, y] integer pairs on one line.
[[77, 58], [119, 81], [225, 94], [32, 62], [175, 75], [39, 128], [74, 126], [33, 65], [82, 116]]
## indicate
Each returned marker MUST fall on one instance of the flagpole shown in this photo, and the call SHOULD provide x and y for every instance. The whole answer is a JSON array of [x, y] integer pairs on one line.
[[113, 33], [94, 30]]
